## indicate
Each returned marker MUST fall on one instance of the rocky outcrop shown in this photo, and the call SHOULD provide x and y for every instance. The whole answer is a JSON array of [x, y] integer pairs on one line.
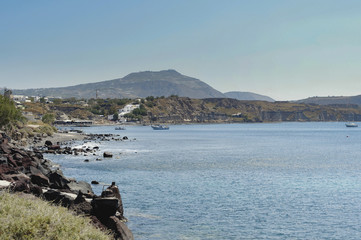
[[28, 172]]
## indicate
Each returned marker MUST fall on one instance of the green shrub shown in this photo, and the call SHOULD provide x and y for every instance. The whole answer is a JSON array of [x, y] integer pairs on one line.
[[141, 111], [8, 112], [48, 118], [47, 129]]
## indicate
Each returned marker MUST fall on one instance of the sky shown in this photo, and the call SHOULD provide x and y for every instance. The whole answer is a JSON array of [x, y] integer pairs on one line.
[[285, 49]]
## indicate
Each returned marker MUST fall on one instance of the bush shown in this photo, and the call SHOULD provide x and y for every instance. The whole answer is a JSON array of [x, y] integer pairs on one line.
[[8, 112], [48, 118], [47, 129]]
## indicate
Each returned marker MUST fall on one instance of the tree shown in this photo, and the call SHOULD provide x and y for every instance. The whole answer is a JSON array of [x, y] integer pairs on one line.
[[115, 117], [150, 98], [8, 112], [140, 111]]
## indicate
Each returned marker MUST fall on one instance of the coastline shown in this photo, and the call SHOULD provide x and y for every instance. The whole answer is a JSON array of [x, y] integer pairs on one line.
[[59, 138], [25, 170]]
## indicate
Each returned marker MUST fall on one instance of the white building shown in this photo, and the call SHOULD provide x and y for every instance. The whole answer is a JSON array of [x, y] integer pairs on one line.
[[127, 109], [19, 98]]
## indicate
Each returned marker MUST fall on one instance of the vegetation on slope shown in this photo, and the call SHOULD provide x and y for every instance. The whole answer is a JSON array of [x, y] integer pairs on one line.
[[32, 218], [174, 109], [8, 112]]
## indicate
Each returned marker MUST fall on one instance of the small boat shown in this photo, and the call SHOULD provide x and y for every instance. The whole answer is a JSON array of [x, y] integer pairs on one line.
[[120, 128], [160, 127], [351, 125]]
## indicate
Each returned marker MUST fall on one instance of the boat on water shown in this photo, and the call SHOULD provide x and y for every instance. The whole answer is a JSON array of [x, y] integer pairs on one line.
[[160, 127], [351, 125], [120, 128]]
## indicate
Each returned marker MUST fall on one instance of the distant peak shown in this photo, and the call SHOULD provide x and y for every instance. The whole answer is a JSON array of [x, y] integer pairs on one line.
[[169, 72]]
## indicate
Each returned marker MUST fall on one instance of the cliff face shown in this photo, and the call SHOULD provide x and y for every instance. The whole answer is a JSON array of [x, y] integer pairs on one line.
[[183, 110]]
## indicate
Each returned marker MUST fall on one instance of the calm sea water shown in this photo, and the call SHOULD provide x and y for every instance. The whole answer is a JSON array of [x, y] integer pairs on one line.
[[234, 181]]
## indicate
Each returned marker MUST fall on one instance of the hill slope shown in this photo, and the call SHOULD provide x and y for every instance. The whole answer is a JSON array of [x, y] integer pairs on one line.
[[248, 96], [134, 85], [332, 100]]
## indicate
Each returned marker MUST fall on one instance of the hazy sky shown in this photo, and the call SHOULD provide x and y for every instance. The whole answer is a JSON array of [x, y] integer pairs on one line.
[[286, 49]]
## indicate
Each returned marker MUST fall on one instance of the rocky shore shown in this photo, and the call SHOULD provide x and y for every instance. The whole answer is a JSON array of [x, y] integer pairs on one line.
[[29, 172]]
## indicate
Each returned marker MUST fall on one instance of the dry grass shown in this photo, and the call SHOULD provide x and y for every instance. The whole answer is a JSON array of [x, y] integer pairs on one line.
[[24, 218]]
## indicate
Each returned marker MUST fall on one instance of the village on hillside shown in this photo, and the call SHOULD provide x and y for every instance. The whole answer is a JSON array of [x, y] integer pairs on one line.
[[175, 110]]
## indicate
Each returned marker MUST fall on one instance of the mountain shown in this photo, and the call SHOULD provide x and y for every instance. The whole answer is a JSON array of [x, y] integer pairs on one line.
[[248, 96], [332, 100], [134, 85]]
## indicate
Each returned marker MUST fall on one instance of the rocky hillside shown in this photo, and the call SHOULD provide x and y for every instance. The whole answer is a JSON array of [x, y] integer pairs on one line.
[[248, 96], [332, 100], [176, 109], [135, 85], [213, 110]]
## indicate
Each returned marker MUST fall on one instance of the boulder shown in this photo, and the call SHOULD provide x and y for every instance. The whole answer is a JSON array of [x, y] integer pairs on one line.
[[36, 190], [115, 192], [105, 207], [48, 143], [33, 170], [43, 169], [107, 154], [18, 177], [82, 186], [81, 206], [58, 198], [57, 180], [39, 179], [20, 186], [4, 148], [54, 147], [120, 229]]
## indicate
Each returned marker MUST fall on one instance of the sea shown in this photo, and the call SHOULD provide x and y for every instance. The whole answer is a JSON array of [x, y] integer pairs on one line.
[[232, 181]]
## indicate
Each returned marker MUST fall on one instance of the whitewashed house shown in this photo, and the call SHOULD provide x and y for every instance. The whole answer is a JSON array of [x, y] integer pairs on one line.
[[127, 109]]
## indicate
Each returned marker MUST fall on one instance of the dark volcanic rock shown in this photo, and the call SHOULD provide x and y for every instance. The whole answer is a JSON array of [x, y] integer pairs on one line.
[[36, 190], [18, 177], [20, 186], [57, 180], [81, 186], [105, 207], [54, 147], [120, 229], [39, 179], [29, 172], [107, 154], [81, 206], [58, 198]]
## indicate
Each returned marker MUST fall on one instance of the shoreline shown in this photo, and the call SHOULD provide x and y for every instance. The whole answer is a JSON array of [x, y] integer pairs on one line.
[[58, 138], [25, 170]]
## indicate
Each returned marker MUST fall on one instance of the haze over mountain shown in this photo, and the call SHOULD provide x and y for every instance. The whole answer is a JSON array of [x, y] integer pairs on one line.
[[140, 85], [248, 96], [332, 100]]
